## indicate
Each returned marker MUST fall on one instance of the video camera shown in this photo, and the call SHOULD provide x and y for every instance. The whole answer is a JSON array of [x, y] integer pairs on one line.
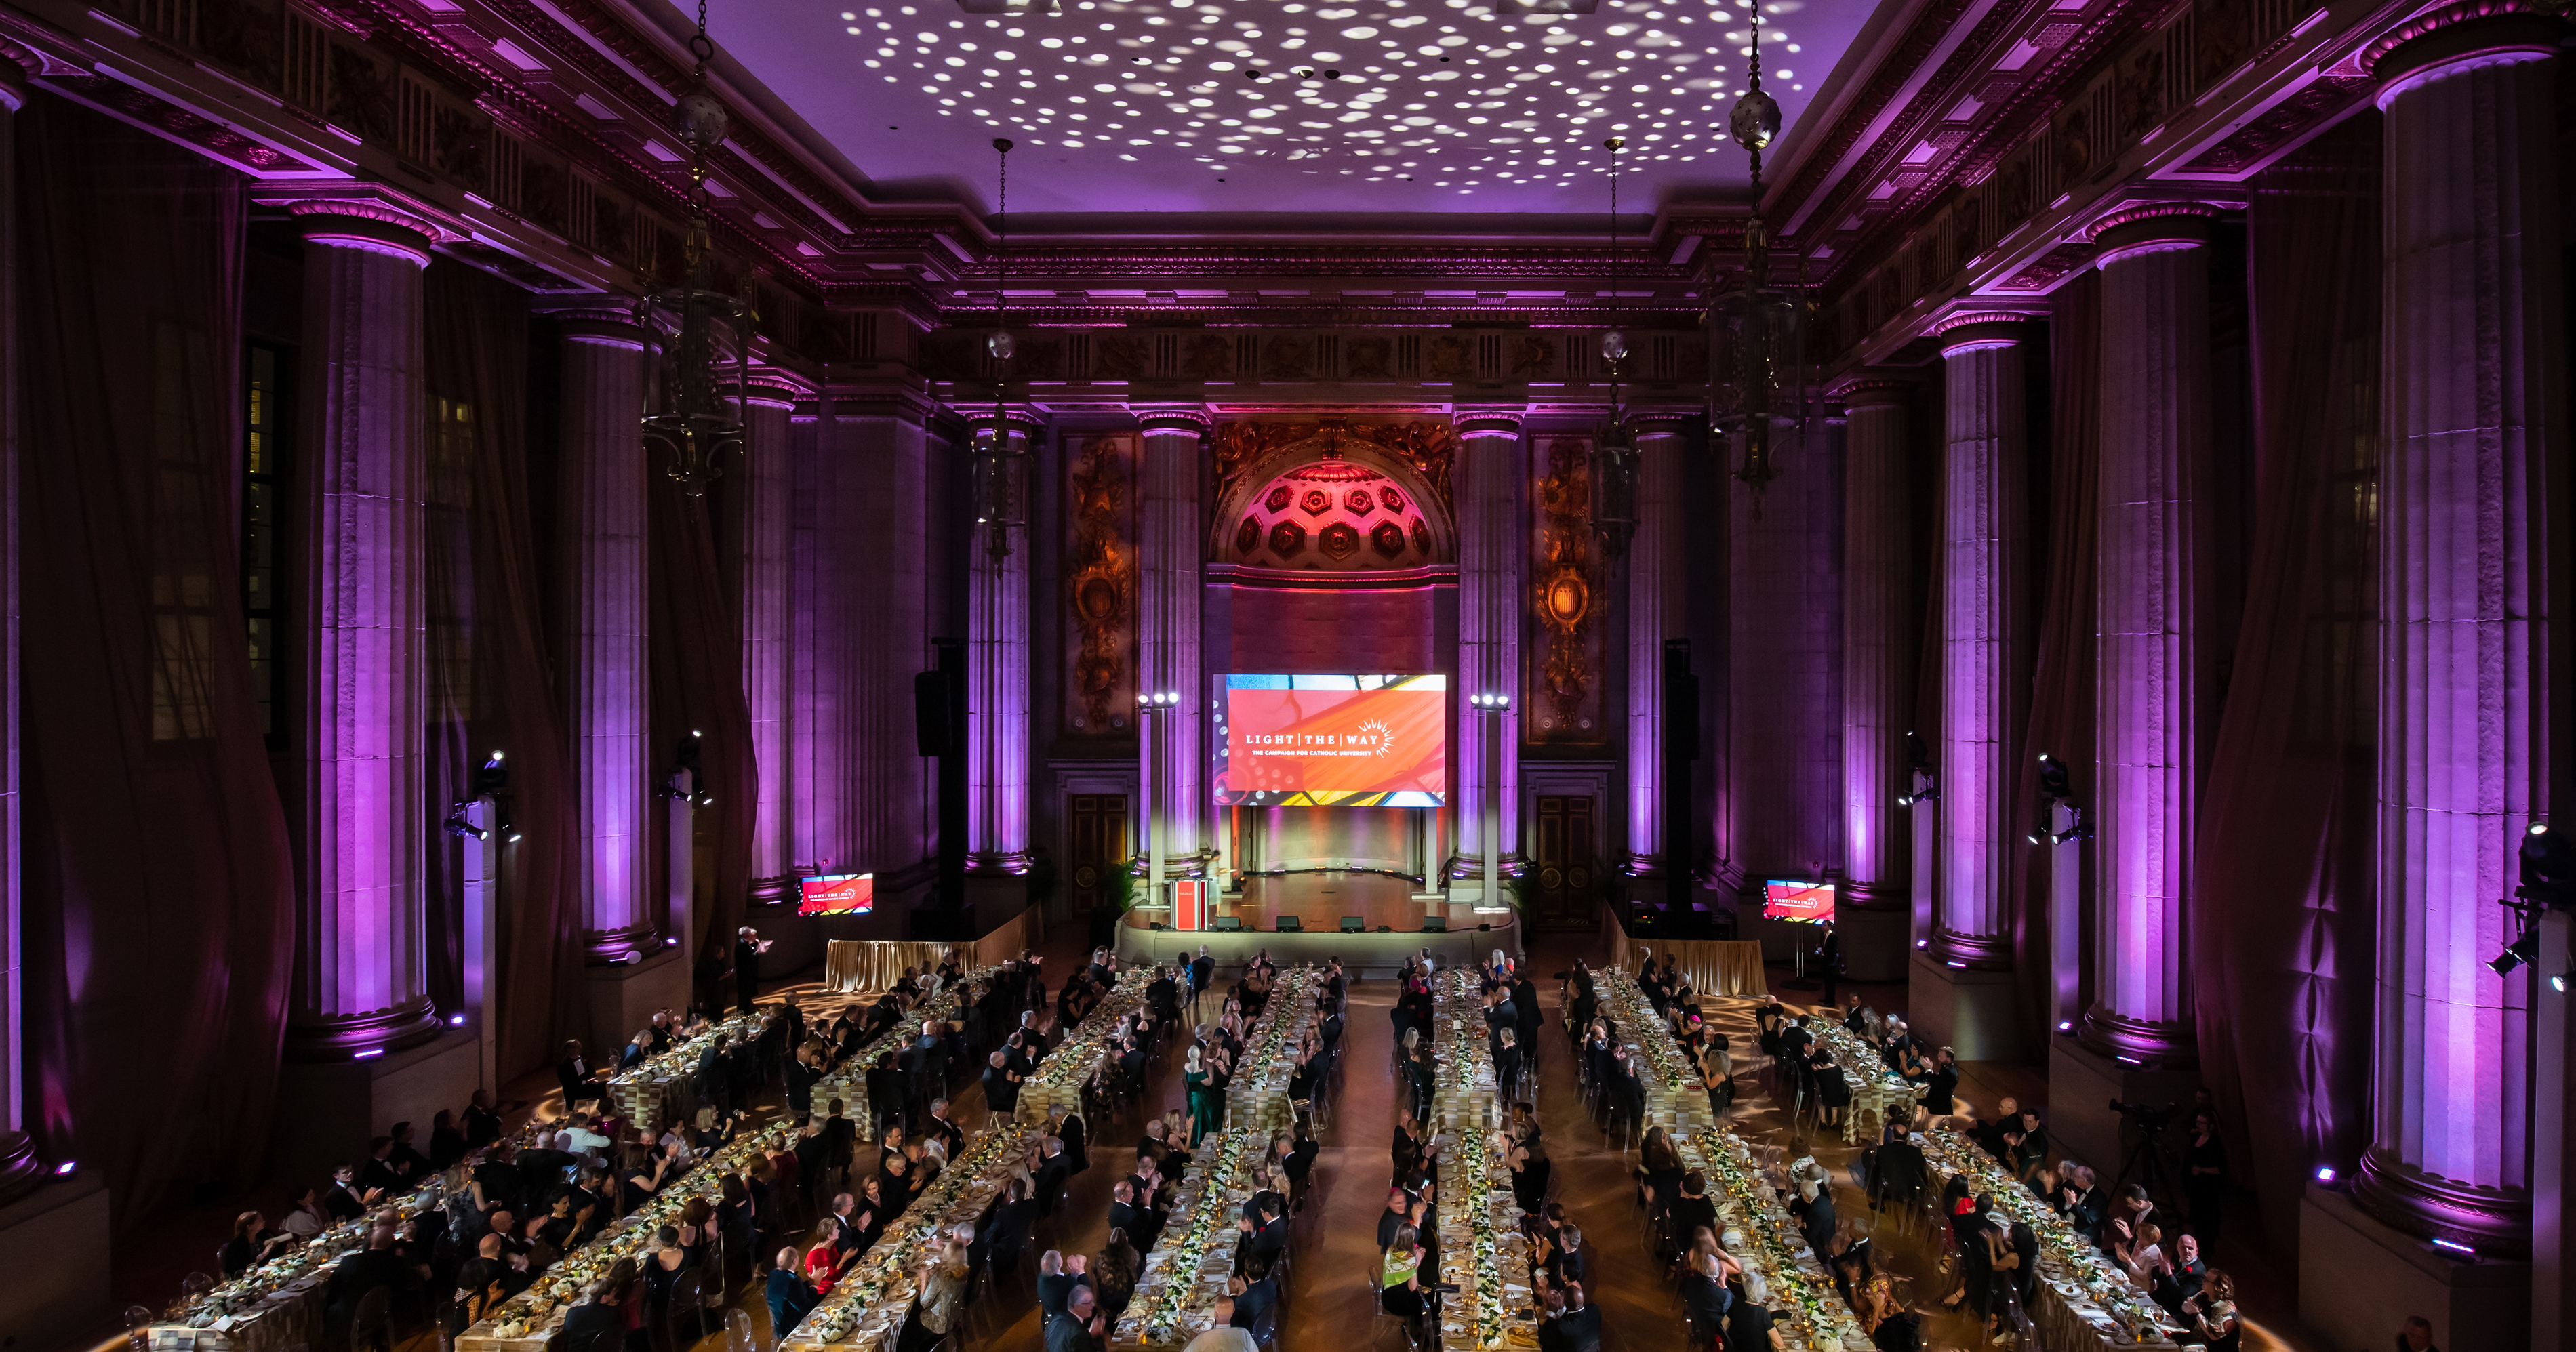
[[2151, 1121]]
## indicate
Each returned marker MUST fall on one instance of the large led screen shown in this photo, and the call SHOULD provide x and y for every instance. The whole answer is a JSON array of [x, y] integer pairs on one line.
[[1331, 741]]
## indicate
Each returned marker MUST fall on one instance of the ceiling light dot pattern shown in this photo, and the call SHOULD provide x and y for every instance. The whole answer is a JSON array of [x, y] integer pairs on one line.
[[1411, 94]]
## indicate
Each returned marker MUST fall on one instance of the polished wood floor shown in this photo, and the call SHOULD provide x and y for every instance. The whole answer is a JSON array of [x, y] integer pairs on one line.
[[1330, 1294]]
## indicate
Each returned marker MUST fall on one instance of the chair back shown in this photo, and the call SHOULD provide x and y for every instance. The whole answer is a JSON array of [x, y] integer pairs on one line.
[[372, 1324]]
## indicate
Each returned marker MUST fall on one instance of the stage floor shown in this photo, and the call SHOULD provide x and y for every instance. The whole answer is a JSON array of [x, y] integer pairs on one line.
[[1319, 901]]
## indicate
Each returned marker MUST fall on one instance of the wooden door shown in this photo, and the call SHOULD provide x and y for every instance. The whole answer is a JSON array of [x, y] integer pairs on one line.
[[1098, 845], [1563, 875]]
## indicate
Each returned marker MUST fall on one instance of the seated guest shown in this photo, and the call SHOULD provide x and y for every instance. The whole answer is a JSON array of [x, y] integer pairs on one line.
[[1749, 1323], [2184, 1275], [2416, 1335], [1561, 1262], [375, 1267], [309, 1218], [596, 1312], [941, 1304], [1941, 1086], [1569, 1325], [252, 1244], [1691, 1208], [824, 1259], [1705, 1296], [1256, 1293], [1989, 1136], [1225, 1336], [1400, 1289], [482, 1121], [446, 1144], [345, 1199]]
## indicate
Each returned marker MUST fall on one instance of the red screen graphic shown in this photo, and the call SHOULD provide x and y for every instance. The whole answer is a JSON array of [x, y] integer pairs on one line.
[[838, 894], [1812, 903], [1326, 741]]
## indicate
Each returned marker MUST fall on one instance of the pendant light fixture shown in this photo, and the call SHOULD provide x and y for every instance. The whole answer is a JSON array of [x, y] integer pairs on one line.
[[1761, 326], [999, 458], [1614, 463], [699, 338]]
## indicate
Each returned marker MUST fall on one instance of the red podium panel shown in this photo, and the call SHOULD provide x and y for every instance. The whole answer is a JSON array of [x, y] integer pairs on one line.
[[1189, 904]]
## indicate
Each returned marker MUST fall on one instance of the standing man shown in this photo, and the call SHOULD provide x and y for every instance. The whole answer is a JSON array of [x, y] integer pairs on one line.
[[1831, 959], [747, 948]]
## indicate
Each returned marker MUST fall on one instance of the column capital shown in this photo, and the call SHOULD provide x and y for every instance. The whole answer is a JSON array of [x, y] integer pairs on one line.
[[2134, 228], [2464, 33], [1487, 422], [1969, 330], [372, 226], [1191, 418], [1874, 390], [1664, 422], [778, 389], [13, 97]]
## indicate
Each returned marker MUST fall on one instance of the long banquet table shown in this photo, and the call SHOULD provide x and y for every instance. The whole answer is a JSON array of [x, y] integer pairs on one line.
[[1676, 1093], [2085, 1302], [1185, 1274], [528, 1321], [279, 1304], [866, 1308], [660, 1090], [849, 1084], [1876, 1091], [1258, 1094], [1078, 1059], [1479, 1220]]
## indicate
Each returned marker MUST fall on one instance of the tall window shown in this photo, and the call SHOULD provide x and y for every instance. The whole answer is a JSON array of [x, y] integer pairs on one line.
[[264, 489], [183, 582]]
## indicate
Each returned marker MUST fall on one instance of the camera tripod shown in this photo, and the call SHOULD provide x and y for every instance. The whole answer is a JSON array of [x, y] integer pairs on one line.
[[2152, 1167]]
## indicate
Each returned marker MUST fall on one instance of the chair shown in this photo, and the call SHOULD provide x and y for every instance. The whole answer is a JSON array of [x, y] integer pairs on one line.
[[371, 1325], [689, 1298]]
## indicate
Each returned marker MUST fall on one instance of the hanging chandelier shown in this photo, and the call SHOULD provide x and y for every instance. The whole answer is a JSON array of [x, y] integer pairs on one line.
[[699, 338], [999, 458], [1614, 464], [1761, 327]]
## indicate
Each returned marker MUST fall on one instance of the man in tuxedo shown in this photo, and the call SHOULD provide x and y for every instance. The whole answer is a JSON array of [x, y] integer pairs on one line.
[[1163, 996], [1256, 1292], [1989, 1135], [594, 1315], [1267, 1240], [1079, 1327], [747, 948], [1001, 1085], [715, 1083], [1143, 1227], [1053, 1170], [1568, 1325], [345, 1199], [1830, 959], [2182, 1276], [580, 1081], [1795, 1039], [929, 1068], [371, 1268], [379, 1174], [1058, 1278], [939, 1125]]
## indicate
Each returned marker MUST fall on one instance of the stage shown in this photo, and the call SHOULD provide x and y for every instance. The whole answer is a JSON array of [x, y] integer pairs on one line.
[[1319, 902]]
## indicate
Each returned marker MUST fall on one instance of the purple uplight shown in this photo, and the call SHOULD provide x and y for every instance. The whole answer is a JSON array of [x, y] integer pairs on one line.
[[455, 1020], [64, 1169], [368, 1054], [2454, 1246], [2326, 1173]]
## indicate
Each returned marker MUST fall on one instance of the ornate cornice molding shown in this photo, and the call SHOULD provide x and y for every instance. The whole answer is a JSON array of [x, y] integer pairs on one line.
[[1874, 391], [1488, 422], [2461, 30], [1195, 420]]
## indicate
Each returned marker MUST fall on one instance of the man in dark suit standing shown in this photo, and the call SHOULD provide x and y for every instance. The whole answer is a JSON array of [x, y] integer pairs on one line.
[[715, 1080], [1078, 1329], [747, 948], [1829, 958], [580, 1081], [1001, 1086]]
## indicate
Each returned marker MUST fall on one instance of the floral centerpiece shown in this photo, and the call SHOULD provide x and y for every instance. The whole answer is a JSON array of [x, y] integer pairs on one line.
[[1059, 1078], [1773, 1246], [1675, 1091], [849, 1084], [1474, 1219], [2068, 1262], [881, 1280], [530, 1312], [1212, 1194]]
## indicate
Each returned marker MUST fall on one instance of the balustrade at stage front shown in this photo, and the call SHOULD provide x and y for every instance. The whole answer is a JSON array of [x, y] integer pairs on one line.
[[1319, 902]]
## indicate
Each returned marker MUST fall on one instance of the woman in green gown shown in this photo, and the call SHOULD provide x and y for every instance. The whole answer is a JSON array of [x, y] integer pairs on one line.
[[1204, 1106]]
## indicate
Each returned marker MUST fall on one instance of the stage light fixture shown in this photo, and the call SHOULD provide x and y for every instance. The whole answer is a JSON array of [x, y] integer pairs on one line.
[[455, 1020], [2522, 950], [2325, 1173], [2560, 982], [2453, 1245], [64, 1169], [457, 824], [2066, 1025]]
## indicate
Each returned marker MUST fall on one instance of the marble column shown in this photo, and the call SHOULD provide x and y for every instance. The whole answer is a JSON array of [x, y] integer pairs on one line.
[[1492, 565], [19, 1169], [997, 681], [2153, 683], [1171, 540], [362, 972], [1875, 599], [857, 633], [764, 494], [2473, 432], [601, 567], [1982, 557], [1658, 582]]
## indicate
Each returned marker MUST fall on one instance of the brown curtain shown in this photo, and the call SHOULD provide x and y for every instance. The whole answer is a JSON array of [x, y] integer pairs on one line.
[[2061, 696], [697, 687], [159, 879], [2281, 919], [492, 684]]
